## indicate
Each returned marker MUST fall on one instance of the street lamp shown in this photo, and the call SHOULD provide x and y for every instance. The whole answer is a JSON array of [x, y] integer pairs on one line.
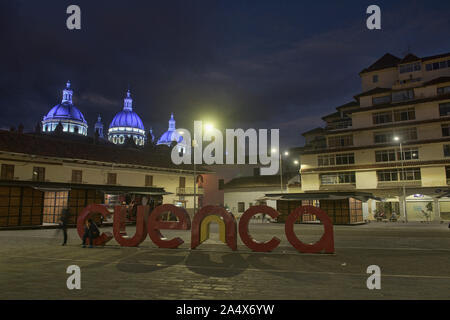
[[286, 153], [208, 127], [402, 177]]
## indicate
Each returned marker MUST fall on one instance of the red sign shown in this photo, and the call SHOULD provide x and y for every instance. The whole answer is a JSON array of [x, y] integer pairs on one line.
[[154, 225]]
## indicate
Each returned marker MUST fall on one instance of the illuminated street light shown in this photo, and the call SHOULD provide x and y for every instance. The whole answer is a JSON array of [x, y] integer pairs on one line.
[[402, 177]]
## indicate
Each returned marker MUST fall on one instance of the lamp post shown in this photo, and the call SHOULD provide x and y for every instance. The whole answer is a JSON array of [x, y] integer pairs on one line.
[[194, 144], [403, 178]]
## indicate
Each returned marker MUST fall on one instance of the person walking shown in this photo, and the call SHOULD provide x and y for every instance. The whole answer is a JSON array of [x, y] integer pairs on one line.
[[64, 220]]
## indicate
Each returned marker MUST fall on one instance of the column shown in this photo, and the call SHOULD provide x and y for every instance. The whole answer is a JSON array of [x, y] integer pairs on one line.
[[436, 210]]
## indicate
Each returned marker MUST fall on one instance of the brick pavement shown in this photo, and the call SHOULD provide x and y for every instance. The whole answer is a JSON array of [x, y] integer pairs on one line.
[[414, 260]]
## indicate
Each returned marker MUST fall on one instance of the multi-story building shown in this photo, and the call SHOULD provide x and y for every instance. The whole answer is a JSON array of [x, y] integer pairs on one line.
[[392, 141], [41, 174]]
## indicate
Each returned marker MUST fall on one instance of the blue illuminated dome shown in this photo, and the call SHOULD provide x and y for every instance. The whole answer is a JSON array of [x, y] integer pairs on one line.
[[172, 135], [127, 123], [71, 119]]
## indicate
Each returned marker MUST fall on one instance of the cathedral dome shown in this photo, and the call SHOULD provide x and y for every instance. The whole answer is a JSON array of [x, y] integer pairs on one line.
[[172, 135], [65, 111], [127, 118], [127, 123], [67, 114]]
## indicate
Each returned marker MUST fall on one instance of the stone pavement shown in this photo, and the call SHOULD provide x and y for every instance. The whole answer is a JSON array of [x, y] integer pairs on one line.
[[414, 261]]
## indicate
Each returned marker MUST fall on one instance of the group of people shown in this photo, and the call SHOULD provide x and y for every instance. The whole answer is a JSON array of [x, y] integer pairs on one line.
[[90, 229]]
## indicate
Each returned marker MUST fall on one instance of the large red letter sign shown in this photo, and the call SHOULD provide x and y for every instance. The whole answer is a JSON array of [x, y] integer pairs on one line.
[[243, 229], [326, 242], [85, 214], [119, 222], [228, 218], [154, 225]]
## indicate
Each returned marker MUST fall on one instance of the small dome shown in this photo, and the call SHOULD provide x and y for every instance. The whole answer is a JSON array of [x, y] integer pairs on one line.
[[169, 136]]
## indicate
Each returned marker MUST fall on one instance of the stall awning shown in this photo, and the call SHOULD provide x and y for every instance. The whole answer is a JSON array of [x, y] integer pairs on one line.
[[110, 189], [363, 196]]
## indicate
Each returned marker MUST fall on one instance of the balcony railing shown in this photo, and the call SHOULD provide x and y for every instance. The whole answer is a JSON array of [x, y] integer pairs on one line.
[[188, 191]]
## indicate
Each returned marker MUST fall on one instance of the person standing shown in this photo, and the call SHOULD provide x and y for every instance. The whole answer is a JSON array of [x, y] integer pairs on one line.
[[64, 220]]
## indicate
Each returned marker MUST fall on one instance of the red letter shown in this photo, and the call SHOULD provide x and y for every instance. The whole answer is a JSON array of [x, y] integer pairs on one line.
[[154, 225], [119, 222], [326, 242], [85, 214], [243, 229], [228, 218]]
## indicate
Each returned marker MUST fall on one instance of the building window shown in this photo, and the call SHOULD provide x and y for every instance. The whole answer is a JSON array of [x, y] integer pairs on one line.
[[54, 203], [407, 134], [444, 109], [7, 172], [443, 90], [410, 67], [382, 117], [336, 159], [326, 160], [381, 100], [385, 155], [337, 178], [446, 130], [409, 174], [437, 65], [221, 184], [77, 176], [340, 141], [394, 155], [148, 180], [404, 114], [402, 95], [447, 172], [241, 207], [182, 182], [39, 174], [375, 78], [112, 178], [446, 150], [383, 137], [408, 154]]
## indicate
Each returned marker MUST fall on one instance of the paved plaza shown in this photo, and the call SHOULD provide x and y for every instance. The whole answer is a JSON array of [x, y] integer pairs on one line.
[[414, 259]]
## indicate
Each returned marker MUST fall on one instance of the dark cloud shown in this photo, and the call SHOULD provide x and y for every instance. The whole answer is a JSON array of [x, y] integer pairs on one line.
[[265, 64]]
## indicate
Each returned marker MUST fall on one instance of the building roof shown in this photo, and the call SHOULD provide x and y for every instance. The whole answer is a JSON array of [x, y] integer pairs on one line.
[[258, 181], [386, 61], [373, 91], [84, 149], [409, 58], [332, 115], [313, 131], [442, 55], [348, 105], [436, 81]]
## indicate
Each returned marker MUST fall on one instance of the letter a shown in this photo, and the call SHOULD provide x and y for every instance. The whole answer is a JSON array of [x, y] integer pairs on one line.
[[74, 20], [374, 21], [74, 281], [374, 281]]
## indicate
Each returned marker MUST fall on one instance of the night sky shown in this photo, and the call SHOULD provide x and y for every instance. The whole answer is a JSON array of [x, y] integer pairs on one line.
[[237, 64]]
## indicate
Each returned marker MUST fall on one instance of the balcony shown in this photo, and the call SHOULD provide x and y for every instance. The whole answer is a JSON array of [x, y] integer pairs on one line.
[[398, 184], [189, 191], [338, 125]]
